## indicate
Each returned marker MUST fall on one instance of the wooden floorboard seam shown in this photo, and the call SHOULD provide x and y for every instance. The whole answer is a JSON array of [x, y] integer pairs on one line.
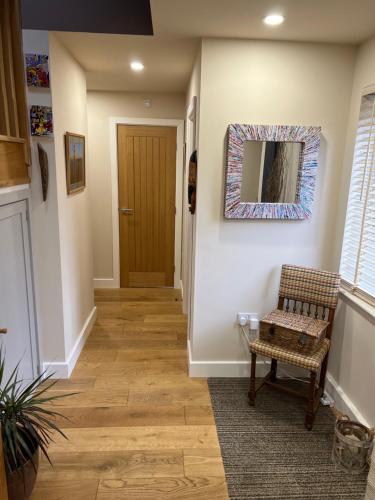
[[140, 427]]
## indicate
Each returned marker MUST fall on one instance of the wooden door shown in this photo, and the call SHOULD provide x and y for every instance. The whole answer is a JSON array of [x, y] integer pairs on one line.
[[147, 187], [16, 314]]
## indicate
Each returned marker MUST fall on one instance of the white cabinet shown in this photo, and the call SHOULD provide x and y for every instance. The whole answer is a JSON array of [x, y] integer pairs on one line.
[[16, 291]]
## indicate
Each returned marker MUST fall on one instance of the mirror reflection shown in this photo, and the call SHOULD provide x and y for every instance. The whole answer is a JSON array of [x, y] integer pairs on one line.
[[270, 171]]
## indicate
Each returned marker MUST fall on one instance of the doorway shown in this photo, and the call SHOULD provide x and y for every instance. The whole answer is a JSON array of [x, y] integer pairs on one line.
[[147, 204]]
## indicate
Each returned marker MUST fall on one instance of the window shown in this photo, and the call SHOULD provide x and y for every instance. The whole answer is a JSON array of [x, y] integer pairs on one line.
[[358, 254]]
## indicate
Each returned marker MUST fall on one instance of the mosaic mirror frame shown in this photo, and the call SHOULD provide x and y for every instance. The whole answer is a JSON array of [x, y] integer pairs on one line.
[[301, 209]]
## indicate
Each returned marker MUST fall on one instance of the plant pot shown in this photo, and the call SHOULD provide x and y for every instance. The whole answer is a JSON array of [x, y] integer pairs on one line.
[[21, 481]]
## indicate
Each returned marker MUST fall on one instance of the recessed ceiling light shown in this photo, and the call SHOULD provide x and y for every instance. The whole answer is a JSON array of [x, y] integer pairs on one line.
[[274, 19], [136, 66]]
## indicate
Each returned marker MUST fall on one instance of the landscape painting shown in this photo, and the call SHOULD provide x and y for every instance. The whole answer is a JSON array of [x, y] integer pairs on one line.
[[75, 162]]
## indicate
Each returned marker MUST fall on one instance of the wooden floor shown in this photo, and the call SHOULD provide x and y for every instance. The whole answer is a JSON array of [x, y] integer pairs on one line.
[[139, 428]]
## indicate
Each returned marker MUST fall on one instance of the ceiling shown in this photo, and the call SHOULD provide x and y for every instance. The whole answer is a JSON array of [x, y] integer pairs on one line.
[[168, 61], [178, 25], [339, 21]]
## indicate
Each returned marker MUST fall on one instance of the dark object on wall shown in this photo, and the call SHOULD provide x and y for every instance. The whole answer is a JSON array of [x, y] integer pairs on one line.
[[44, 173], [128, 17], [192, 182], [75, 162]]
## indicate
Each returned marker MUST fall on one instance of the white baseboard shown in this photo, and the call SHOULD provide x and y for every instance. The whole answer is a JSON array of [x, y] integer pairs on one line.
[[105, 283], [242, 369], [224, 368], [64, 369], [342, 401]]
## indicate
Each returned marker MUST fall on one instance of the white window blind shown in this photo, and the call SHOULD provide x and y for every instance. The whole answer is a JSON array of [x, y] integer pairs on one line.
[[358, 253]]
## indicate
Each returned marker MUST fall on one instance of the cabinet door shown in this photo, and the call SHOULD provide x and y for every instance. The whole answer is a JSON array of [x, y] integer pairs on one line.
[[16, 293]]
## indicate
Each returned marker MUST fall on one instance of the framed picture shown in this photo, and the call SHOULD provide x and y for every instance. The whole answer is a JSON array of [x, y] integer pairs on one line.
[[75, 162], [37, 73], [41, 120]]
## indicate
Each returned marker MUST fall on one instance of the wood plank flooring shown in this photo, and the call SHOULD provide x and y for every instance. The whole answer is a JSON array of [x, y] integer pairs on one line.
[[139, 428]]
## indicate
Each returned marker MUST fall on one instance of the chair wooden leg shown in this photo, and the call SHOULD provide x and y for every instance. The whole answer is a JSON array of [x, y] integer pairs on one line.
[[310, 413], [323, 373], [252, 393], [273, 370]]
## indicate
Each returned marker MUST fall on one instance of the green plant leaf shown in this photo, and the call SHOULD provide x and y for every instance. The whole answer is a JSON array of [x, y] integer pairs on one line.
[[26, 422]]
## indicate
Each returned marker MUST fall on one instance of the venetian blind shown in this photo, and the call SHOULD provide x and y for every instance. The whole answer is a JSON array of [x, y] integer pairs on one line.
[[358, 254]]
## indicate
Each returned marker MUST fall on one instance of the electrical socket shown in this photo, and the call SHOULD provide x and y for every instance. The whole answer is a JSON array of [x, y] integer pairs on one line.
[[244, 318]]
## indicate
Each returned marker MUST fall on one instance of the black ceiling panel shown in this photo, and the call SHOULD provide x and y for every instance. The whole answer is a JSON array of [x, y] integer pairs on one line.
[[130, 17]]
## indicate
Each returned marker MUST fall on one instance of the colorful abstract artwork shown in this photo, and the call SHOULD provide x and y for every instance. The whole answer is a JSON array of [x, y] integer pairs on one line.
[[41, 120], [309, 137], [37, 73], [75, 162]]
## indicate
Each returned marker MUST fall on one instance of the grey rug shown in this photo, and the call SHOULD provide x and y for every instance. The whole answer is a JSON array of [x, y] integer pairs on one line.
[[268, 453]]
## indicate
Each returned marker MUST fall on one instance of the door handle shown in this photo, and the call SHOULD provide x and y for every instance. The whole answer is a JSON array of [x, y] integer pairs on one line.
[[126, 210], [3, 330]]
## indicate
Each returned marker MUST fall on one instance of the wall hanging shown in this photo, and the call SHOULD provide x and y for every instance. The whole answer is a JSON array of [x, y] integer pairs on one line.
[[192, 185], [41, 120], [37, 72], [271, 171], [75, 162], [44, 173]]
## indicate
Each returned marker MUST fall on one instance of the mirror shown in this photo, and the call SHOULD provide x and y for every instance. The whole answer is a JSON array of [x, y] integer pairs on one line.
[[270, 171]]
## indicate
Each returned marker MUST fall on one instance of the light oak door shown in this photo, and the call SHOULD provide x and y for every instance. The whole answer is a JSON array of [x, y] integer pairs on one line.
[[147, 187]]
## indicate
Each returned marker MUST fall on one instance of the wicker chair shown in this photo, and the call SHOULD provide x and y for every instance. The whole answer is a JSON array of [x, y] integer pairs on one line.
[[314, 293]]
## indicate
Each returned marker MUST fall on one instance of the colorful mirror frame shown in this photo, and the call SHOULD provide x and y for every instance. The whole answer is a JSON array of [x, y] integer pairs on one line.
[[237, 135]]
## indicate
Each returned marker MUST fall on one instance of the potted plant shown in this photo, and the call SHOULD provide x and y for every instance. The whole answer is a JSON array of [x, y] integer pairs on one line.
[[27, 427]]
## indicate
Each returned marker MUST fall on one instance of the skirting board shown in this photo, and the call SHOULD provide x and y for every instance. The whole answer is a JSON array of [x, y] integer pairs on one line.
[[105, 283], [64, 369], [343, 402], [224, 368], [242, 369]]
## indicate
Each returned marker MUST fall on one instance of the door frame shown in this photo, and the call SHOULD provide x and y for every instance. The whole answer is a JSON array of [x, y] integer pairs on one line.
[[161, 122]]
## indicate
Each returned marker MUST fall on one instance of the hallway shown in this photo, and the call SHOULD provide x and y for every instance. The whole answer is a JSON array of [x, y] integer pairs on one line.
[[139, 428]]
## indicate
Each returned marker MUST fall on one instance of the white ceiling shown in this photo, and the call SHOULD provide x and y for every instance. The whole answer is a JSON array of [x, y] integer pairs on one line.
[[179, 24], [339, 21], [106, 58]]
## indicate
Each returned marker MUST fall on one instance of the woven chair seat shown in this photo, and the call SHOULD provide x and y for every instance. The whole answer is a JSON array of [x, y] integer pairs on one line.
[[310, 362]]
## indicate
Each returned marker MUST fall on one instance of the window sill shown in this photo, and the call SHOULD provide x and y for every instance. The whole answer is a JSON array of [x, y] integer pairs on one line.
[[360, 303]]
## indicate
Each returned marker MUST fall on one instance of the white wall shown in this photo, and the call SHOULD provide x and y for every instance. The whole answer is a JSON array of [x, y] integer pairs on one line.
[[45, 237], [352, 360], [60, 227], [238, 263], [70, 114], [102, 106]]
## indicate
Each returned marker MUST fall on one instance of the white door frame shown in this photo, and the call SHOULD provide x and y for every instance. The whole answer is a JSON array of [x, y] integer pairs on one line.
[[179, 124]]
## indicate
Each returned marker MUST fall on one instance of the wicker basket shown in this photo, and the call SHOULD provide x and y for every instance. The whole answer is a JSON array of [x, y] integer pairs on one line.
[[352, 445], [291, 331]]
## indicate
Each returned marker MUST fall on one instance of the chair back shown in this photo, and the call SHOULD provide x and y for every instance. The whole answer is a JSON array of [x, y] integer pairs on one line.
[[308, 291]]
